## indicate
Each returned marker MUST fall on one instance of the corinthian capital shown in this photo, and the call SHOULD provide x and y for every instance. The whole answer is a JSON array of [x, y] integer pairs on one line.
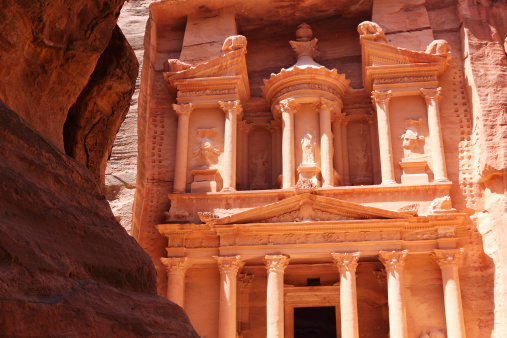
[[276, 263], [431, 94], [183, 109], [175, 264], [233, 107], [229, 264], [329, 104], [393, 260], [346, 261], [289, 106], [447, 257], [381, 96]]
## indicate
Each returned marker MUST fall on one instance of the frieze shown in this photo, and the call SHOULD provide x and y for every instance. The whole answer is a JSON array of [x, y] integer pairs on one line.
[[405, 79], [295, 216], [206, 92], [304, 86]]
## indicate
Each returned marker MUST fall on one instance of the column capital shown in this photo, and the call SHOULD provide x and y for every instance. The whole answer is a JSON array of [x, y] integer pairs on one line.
[[245, 281], [233, 107], [288, 106], [183, 109], [274, 125], [381, 96], [276, 263], [393, 260], [229, 264], [447, 257], [346, 261], [330, 104], [431, 93], [342, 118], [244, 126], [176, 264], [371, 119]]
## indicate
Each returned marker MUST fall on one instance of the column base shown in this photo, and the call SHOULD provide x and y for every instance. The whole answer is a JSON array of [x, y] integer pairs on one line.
[[389, 182], [229, 189]]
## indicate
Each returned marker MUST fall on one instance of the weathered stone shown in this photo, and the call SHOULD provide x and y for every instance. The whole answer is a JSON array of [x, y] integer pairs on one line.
[[95, 117], [68, 268]]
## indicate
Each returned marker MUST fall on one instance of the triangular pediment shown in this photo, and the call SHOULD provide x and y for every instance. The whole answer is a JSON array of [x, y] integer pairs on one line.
[[308, 207]]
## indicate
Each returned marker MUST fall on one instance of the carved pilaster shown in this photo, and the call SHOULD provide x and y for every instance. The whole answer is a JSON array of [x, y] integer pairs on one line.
[[381, 100], [432, 97], [231, 110], [183, 112], [288, 107]]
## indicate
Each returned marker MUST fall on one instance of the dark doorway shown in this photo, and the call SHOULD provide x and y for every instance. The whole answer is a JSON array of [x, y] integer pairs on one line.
[[315, 322]]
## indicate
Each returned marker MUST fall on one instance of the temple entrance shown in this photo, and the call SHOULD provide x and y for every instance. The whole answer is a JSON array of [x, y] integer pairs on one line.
[[315, 322]]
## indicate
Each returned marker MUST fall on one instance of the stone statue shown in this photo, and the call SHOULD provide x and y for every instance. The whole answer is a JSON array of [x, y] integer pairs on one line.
[[308, 148], [234, 42], [206, 148], [259, 170], [412, 139], [369, 28], [175, 65], [438, 47]]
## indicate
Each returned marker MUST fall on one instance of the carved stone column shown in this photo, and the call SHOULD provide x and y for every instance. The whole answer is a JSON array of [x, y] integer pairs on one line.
[[176, 268], [276, 265], [242, 155], [274, 128], [347, 264], [448, 260], [393, 262], [381, 99], [183, 112], [338, 155], [345, 150], [229, 267], [245, 284], [288, 108], [432, 97], [231, 109], [375, 165], [326, 141]]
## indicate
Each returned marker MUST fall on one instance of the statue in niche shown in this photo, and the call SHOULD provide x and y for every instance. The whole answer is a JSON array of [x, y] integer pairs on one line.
[[206, 149], [308, 148], [361, 165], [412, 139], [258, 171]]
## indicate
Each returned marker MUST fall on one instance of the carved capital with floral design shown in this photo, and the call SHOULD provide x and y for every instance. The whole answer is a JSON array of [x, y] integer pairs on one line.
[[231, 107], [245, 127], [175, 265], [381, 96], [183, 109], [229, 264], [448, 257], [431, 94], [276, 263], [346, 261], [274, 125], [393, 260], [288, 106], [245, 281], [329, 104]]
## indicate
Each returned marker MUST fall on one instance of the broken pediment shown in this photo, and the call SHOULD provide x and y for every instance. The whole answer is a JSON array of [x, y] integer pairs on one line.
[[309, 207]]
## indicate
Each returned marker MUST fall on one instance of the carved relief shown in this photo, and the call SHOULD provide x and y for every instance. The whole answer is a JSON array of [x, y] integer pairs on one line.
[[412, 139], [258, 171], [441, 205], [206, 149], [175, 65], [438, 47], [302, 215], [305, 183], [308, 145], [371, 30], [233, 43]]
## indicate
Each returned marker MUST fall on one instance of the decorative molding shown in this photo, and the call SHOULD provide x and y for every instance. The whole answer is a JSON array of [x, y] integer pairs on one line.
[[393, 260], [448, 257], [175, 265], [381, 96], [229, 264], [276, 263], [245, 281], [346, 261]]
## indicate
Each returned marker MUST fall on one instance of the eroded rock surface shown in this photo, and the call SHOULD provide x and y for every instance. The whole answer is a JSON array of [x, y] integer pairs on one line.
[[66, 266]]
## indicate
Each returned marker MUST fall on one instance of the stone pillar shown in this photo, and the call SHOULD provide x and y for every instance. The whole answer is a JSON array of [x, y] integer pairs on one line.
[[229, 267], [338, 155], [448, 260], [326, 141], [432, 97], [242, 155], [347, 264], [245, 284], [393, 262], [231, 109], [276, 265], [381, 99], [176, 268], [375, 165], [274, 128], [288, 108], [183, 112], [345, 150]]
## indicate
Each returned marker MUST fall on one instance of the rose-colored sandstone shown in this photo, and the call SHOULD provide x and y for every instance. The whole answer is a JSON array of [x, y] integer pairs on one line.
[[377, 153], [67, 267]]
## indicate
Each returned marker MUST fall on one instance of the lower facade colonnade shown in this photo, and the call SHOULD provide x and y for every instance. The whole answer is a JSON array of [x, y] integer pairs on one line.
[[345, 292]]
